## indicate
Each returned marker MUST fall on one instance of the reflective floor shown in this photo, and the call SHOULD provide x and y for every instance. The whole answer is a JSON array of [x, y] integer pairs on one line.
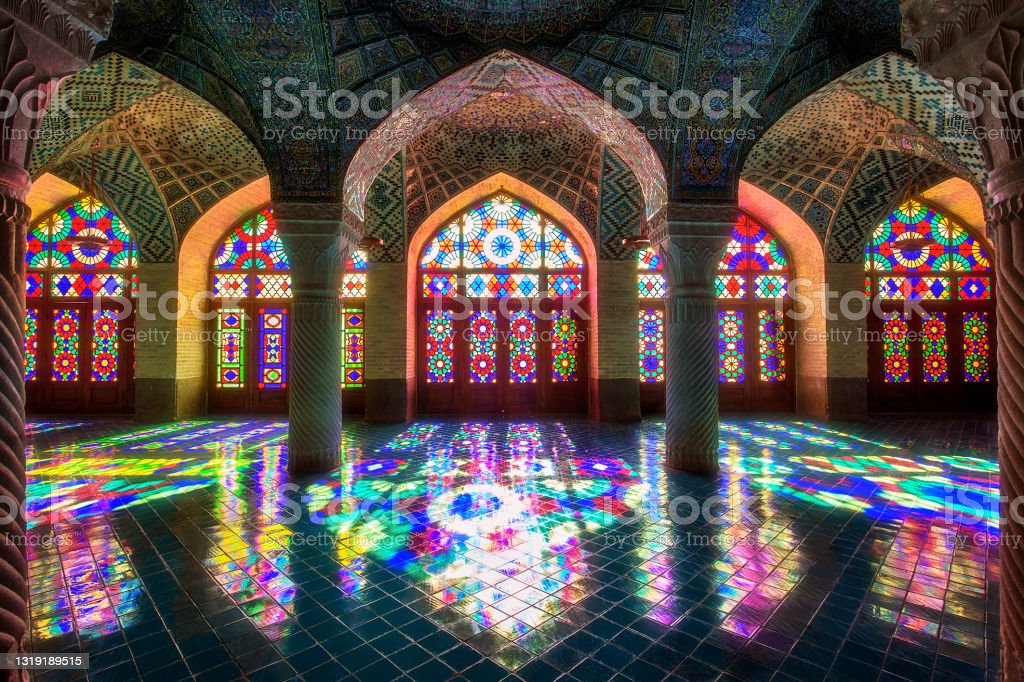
[[533, 550]]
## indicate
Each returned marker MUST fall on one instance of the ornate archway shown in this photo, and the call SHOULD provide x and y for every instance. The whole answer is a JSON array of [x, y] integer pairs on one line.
[[755, 353], [931, 343], [251, 325], [79, 350], [502, 318]]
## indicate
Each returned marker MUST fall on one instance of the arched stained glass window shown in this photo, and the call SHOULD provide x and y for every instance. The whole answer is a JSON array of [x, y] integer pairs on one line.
[[500, 250], [751, 286], [78, 260], [253, 289], [944, 338]]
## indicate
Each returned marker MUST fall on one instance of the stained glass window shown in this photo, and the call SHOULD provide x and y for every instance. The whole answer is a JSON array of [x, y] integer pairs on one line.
[[731, 360], [352, 348], [498, 250], [935, 348], [896, 349], [652, 346], [502, 234], [976, 347], [440, 347], [483, 345], [751, 285], [771, 330], [918, 254], [353, 290], [273, 347], [563, 349], [104, 346], [230, 348], [83, 251], [66, 332], [522, 348], [86, 235], [251, 270]]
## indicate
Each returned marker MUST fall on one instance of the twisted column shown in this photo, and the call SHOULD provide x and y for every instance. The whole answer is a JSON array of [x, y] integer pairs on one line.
[[691, 243], [1007, 223], [312, 235], [14, 217], [979, 45]]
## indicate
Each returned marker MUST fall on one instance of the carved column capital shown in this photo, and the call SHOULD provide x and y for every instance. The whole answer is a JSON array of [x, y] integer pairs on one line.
[[318, 241], [691, 244], [977, 46]]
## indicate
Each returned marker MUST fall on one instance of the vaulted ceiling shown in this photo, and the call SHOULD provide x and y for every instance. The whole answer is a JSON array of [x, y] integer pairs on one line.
[[168, 120], [225, 50]]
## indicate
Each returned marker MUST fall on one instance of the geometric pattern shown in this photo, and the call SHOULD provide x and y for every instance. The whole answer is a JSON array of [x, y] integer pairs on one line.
[[513, 134], [126, 186], [385, 212], [808, 159], [621, 208], [874, 192], [109, 85]]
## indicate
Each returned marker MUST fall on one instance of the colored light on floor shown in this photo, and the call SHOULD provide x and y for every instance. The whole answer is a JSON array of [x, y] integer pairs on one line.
[[519, 541]]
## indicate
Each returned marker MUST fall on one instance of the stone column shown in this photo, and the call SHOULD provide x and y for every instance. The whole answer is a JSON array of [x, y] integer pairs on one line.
[[14, 216], [979, 45], [1006, 184], [691, 242], [40, 43], [313, 237]]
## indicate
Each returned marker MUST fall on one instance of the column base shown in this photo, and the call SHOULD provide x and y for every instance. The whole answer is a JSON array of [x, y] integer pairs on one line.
[[691, 461], [313, 462]]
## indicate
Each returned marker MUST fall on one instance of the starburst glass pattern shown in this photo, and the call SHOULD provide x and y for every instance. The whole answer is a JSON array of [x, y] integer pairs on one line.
[[503, 234], [522, 348], [976, 347], [104, 346], [917, 239], [273, 347], [440, 347], [483, 348], [564, 348], [752, 248], [652, 346], [66, 332]]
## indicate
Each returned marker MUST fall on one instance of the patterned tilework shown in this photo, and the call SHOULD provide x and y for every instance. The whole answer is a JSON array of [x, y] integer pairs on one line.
[[385, 213], [448, 548], [887, 80], [109, 85], [621, 212], [514, 134], [509, 21], [808, 159], [129, 189], [873, 193], [504, 74]]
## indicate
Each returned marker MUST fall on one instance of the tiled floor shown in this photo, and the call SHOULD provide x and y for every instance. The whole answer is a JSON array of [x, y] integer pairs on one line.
[[530, 549]]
